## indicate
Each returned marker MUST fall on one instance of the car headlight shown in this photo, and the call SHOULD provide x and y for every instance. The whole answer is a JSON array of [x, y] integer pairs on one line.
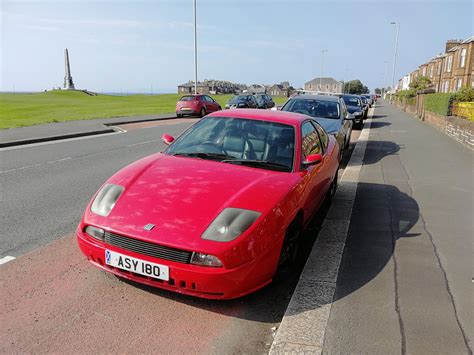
[[241, 104], [205, 260], [106, 199], [94, 232], [229, 224]]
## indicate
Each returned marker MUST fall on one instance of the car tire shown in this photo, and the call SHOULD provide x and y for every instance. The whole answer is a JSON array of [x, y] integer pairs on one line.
[[179, 115], [202, 113], [358, 125], [289, 249]]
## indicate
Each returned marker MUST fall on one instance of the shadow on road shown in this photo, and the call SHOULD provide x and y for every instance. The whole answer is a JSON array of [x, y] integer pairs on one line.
[[377, 150], [378, 124]]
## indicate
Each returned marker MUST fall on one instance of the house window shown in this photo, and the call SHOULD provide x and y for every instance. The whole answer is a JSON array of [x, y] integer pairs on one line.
[[431, 70], [423, 72], [327, 87], [458, 84], [449, 64], [437, 87], [446, 86], [462, 59], [439, 67], [319, 86]]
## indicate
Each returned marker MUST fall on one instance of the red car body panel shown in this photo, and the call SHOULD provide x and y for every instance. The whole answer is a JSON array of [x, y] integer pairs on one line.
[[183, 195]]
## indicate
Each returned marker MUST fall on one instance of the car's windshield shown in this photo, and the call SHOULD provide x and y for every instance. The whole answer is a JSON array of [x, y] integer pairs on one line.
[[267, 145], [238, 99], [351, 101], [314, 108], [187, 98]]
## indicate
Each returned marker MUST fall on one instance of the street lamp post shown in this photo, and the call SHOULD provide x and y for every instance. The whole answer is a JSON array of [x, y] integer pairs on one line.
[[394, 58], [384, 74], [322, 69], [195, 50]]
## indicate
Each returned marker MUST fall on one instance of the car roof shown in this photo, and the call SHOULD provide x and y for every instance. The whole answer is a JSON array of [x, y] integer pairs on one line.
[[285, 117], [316, 97]]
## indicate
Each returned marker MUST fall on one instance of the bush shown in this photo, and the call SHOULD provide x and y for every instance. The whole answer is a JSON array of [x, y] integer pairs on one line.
[[466, 94], [439, 103]]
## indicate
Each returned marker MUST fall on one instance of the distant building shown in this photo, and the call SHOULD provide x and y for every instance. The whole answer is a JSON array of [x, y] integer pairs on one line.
[[406, 82], [211, 87], [326, 85], [255, 89], [279, 90]]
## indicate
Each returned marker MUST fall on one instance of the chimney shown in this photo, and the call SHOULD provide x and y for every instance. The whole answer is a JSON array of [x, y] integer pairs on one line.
[[452, 43]]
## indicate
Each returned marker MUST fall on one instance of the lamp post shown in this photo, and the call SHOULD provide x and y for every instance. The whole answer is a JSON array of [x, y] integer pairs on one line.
[[394, 58], [384, 73], [195, 50], [322, 69]]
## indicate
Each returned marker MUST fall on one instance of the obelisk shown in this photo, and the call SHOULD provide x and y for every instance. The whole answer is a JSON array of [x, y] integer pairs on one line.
[[68, 83]]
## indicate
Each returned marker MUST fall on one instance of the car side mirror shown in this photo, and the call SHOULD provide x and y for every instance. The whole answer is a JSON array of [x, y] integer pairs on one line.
[[167, 139], [313, 159], [350, 117]]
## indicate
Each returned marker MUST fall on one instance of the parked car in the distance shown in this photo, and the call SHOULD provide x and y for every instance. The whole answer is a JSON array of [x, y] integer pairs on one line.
[[196, 105], [365, 105], [356, 107], [242, 101], [264, 101], [329, 111], [369, 98]]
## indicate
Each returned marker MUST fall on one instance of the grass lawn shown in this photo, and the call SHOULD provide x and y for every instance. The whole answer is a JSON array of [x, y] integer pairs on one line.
[[18, 110]]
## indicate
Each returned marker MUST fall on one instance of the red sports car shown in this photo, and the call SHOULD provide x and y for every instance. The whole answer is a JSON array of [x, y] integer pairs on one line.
[[196, 105], [219, 211]]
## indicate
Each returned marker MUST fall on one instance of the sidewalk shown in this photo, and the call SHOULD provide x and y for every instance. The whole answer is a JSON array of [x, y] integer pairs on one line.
[[69, 129], [404, 282]]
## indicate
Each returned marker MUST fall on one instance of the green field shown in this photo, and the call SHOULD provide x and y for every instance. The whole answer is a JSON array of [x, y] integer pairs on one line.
[[18, 110]]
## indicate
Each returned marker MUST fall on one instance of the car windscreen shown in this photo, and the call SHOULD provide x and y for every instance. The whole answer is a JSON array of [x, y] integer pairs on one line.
[[314, 108], [351, 101], [236, 99], [260, 144], [187, 98]]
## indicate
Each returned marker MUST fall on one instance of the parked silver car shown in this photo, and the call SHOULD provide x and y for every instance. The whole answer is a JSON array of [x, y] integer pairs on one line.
[[329, 111]]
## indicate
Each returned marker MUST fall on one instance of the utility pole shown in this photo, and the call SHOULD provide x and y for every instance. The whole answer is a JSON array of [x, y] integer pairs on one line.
[[394, 58], [322, 69], [195, 50], [384, 73]]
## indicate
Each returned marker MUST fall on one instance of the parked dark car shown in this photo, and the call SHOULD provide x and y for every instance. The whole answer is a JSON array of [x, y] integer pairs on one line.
[[329, 111], [242, 101], [196, 105], [369, 98], [356, 107], [365, 105], [264, 101]]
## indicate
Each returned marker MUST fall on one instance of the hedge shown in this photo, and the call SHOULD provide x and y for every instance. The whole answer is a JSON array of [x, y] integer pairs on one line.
[[439, 103]]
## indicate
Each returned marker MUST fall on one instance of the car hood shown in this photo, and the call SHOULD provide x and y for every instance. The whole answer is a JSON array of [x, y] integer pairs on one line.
[[331, 126], [353, 109], [181, 196]]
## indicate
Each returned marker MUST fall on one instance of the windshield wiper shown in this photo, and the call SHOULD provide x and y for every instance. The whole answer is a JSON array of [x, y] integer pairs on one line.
[[204, 155], [264, 163]]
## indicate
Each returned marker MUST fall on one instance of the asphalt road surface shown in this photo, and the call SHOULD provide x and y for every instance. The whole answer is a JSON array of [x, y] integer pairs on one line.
[[54, 300]]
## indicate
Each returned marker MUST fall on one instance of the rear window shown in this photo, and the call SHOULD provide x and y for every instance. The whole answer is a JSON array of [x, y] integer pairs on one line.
[[187, 98]]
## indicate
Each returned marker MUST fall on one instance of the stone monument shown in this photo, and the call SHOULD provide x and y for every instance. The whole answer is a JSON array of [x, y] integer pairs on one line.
[[68, 83]]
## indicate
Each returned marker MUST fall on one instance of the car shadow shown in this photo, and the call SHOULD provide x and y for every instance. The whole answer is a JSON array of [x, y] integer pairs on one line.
[[378, 116], [377, 150], [379, 124]]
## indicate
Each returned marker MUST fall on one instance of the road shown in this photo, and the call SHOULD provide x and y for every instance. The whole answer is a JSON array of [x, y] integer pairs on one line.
[[54, 300]]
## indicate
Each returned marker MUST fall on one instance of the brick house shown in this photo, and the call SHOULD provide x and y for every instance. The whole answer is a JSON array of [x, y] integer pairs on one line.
[[328, 85], [452, 70], [211, 87], [279, 90]]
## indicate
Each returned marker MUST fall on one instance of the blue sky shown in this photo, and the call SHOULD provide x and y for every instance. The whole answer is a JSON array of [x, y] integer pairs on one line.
[[135, 46]]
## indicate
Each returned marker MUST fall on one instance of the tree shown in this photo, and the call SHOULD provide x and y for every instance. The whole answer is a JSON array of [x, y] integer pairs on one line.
[[355, 87], [420, 83]]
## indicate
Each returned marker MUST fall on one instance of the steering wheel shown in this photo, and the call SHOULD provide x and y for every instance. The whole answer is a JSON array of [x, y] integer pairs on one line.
[[215, 149]]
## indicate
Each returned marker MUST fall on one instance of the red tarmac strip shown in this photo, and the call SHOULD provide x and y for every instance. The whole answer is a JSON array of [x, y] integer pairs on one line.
[[53, 300]]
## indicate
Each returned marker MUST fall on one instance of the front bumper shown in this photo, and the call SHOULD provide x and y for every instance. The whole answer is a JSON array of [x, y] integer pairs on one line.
[[194, 280]]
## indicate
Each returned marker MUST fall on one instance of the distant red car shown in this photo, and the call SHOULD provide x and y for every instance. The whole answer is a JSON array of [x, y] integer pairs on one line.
[[218, 212], [196, 105]]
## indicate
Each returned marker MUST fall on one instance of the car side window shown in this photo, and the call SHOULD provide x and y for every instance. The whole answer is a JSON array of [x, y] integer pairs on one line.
[[322, 135], [310, 140]]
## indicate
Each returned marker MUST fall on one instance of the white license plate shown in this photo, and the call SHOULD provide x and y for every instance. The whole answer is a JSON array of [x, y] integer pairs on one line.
[[135, 265]]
